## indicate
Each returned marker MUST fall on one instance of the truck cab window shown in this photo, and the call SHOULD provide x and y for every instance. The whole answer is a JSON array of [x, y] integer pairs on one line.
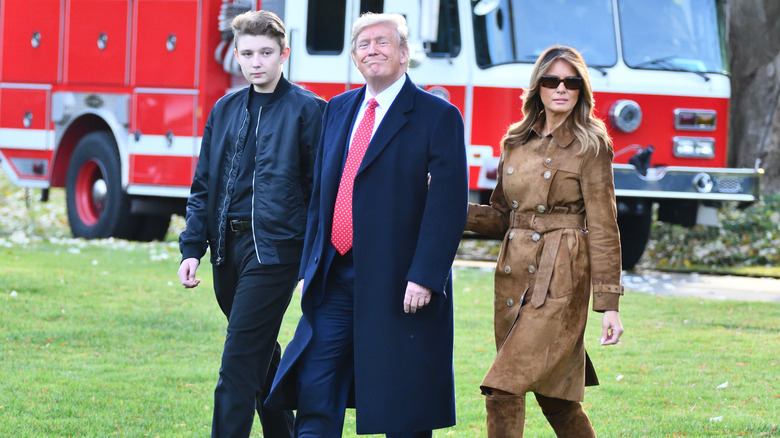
[[683, 36], [325, 27], [447, 43], [375, 6], [519, 31]]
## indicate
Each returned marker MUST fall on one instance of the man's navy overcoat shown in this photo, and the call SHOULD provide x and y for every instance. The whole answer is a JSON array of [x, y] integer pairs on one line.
[[405, 229]]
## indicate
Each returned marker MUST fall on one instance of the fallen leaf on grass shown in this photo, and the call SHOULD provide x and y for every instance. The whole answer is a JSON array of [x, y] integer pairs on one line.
[[716, 419], [723, 385]]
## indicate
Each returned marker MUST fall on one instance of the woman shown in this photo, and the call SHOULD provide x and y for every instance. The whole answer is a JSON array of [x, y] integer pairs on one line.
[[554, 206]]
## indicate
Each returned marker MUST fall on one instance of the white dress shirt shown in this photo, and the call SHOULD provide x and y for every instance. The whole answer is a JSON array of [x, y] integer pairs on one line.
[[384, 99]]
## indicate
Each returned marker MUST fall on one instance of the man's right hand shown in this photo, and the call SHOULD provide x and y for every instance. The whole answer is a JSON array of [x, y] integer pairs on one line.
[[187, 271]]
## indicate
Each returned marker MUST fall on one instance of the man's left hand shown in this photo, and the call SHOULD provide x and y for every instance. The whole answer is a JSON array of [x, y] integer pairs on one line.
[[416, 297]]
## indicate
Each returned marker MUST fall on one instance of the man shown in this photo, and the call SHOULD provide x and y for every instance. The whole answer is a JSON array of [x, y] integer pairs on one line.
[[385, 219], [248, 204]]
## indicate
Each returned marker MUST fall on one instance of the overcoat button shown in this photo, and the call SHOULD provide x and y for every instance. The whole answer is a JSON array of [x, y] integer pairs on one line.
[[515, 204], [531, 269], [511, 235], [540, 208], [507, 269], [535, 237], [509, 302], [548, 161], [510, 171], [316, 260], [547, 174]]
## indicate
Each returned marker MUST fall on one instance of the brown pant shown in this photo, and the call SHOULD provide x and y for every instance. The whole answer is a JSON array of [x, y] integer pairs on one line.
[[506, 416]]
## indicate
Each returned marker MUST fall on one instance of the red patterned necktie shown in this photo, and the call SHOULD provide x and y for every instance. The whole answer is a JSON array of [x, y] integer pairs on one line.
[[341, 235]]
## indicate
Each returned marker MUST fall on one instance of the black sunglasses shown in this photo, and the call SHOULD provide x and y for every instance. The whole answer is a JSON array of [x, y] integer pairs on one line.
[[570, 82]]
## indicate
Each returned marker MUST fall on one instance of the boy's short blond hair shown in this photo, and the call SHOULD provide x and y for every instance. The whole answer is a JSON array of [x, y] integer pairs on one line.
[[259, 23]]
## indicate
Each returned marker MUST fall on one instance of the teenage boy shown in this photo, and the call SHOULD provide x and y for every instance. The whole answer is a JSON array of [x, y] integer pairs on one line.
[[248, 205]]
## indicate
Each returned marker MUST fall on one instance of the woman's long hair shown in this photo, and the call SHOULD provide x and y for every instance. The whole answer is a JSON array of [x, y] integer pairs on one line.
[[588, 129]]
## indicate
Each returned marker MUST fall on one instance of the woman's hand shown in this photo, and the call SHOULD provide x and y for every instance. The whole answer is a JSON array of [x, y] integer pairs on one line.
[[611, 328]]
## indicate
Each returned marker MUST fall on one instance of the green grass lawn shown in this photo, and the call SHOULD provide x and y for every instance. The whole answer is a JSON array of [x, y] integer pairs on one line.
[[100, 340]]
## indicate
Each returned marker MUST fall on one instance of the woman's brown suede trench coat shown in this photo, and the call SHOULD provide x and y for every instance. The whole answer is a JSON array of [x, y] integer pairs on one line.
[[555, 209]]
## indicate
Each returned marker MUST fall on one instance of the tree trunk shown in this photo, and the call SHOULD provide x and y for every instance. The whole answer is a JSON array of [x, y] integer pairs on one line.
[[754, 52]]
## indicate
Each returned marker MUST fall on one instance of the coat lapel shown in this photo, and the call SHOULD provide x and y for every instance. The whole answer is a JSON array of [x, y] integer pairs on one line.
[[342, 116], [393, 121]]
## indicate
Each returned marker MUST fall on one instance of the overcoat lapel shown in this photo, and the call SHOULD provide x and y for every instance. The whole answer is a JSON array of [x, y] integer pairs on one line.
[[333, 155], [393, 121]]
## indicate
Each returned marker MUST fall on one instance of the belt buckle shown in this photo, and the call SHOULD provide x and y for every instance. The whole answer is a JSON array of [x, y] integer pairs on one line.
[[237, 226]]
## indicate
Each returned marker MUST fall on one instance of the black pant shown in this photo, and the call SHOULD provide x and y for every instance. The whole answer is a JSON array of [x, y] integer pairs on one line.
[[254, 298]]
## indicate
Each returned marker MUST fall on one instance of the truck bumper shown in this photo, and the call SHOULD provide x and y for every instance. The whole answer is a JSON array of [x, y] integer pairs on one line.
[[692, 183]]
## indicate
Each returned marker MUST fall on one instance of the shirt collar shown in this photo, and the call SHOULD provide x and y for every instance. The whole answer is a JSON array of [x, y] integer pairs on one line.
[[562, 134], [386, 97]]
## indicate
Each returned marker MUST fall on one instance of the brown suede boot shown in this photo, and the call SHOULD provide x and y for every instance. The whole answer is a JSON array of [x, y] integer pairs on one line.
[[505, 415], [566, 417]]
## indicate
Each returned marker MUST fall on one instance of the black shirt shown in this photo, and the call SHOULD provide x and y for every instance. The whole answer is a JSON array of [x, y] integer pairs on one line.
[[241, 203]]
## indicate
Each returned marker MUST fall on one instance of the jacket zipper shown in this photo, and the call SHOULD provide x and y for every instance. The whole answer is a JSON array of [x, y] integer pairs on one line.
[[254, 176], [222, 229]]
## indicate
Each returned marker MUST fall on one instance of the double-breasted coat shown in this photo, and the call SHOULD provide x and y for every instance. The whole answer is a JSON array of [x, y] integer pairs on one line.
[[405, 229], [555, 208]]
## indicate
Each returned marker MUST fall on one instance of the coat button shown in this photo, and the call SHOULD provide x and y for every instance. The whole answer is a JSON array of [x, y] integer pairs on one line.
[[510, 170], [515, 204], [509, 302], [316, 260], [548, 161], [547, 174], [531, 269], [511, 235], [535, 237], [507, 269], [540, 208]]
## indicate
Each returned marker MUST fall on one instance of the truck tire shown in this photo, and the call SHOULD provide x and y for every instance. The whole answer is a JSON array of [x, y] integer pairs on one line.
[[149, 227], [97, 206], [634, 234]]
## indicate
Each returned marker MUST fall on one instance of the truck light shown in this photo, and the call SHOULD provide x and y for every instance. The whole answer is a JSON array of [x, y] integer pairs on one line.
[[693, 147], [440, 92], [30, 167], [625, 115], [695, 120]]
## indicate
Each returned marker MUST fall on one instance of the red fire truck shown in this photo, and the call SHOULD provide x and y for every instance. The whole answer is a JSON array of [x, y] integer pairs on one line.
[[107, 98]]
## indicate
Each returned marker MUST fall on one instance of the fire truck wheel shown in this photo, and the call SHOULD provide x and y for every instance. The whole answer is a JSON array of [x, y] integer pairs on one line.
[[150, 227], [97, 205], [634, 234]]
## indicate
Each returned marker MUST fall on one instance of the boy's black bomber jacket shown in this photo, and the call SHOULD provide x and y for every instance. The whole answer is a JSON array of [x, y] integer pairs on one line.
[[287, 137]]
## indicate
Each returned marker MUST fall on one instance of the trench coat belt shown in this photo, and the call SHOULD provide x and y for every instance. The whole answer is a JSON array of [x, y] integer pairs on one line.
[[552, 225]]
